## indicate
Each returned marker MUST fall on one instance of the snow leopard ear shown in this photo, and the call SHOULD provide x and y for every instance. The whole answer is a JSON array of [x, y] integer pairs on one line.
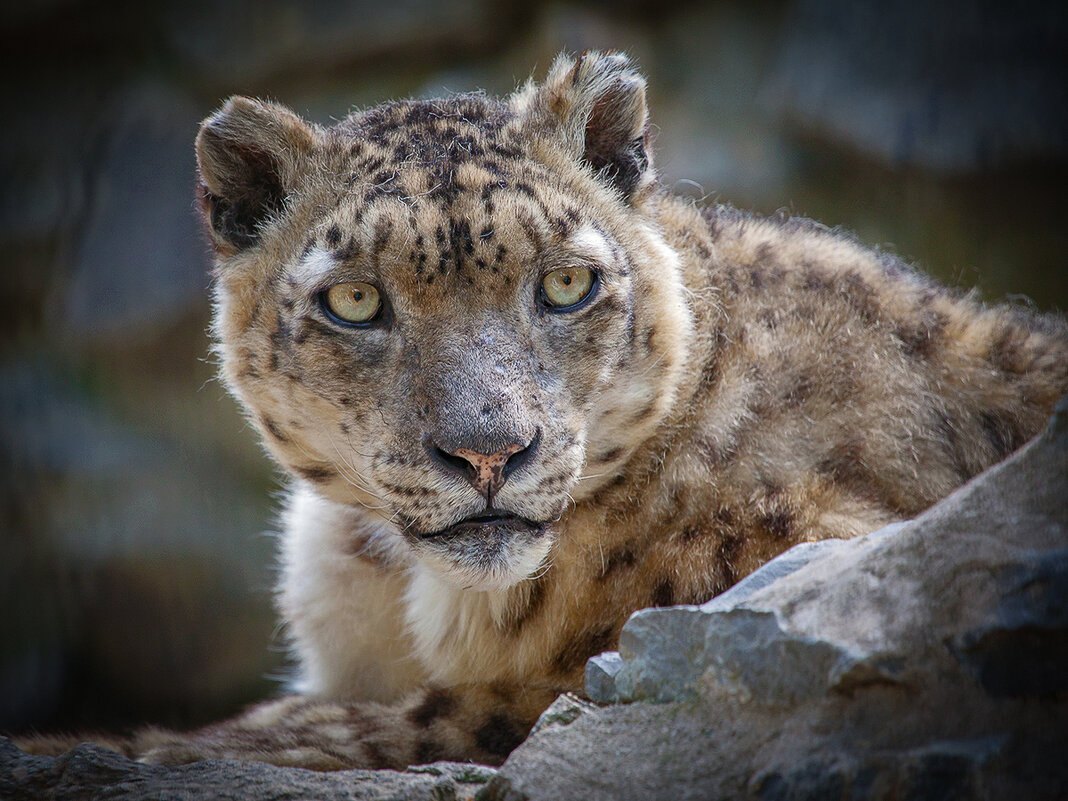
[[248, 156], [596, 102]]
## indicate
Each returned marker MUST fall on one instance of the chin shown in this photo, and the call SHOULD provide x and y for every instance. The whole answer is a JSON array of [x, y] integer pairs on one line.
[[488, 552]]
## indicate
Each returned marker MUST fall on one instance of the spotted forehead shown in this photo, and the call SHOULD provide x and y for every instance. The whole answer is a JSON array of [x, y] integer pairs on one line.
[[420, 129], [415, 149], [445, 185]]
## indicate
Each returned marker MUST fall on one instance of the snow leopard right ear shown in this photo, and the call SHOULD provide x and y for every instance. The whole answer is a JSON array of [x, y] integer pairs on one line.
[[596, 104], [248, 155]]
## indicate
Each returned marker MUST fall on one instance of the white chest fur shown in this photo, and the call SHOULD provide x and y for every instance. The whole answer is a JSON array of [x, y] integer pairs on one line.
[[452, 629]]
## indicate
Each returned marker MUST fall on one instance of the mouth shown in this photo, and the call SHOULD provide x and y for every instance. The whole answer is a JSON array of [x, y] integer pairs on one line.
[[490, 524]]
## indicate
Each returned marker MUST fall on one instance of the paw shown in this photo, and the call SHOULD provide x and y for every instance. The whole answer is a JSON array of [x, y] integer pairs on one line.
[[158, 747]]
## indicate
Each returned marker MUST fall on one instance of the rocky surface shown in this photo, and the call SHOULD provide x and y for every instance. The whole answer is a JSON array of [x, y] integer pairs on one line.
[[926, 660], [91, 772]]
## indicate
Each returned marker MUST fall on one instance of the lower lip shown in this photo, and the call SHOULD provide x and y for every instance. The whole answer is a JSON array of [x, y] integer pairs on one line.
[[483, 526]]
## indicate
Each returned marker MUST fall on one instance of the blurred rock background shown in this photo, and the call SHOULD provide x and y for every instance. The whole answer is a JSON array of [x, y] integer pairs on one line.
[[134, 565]]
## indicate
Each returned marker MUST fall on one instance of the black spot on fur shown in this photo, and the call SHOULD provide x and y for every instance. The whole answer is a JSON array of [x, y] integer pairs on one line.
[[349, 252], [691, 533], [1008, 352], [576, 651], [724, 516], [727, 555], [383, 230], [798, 392], [397, 489], [311, 325], [861, 296], [437, 703], [499, 735], [715, 453], [1002, 432], [765, 253], [618, 559], [664, 593], [272, 428], [333, 236], [779, 523], [376, 756], [644, 413], [610, 455], [314, 473], [427, 751], [920, 340], [535, 601]]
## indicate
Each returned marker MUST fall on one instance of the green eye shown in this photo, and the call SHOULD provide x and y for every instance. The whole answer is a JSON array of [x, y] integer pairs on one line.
[[568, 286], [353, 302]]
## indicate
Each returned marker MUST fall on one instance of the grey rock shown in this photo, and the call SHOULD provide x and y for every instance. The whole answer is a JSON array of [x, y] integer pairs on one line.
[[1024, 650], [923, 661], [940, 770], [783, 565], [671, 654], [723, 647], [91, 772], [564, 711], [601, 673]]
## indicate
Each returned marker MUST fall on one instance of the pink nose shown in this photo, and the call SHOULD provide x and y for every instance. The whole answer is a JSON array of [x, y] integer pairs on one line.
[[489, 475], [486, 472]]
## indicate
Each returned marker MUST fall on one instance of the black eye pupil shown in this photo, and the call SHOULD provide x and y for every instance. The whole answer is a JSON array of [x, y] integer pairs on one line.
[[567, 280], [357, 296]]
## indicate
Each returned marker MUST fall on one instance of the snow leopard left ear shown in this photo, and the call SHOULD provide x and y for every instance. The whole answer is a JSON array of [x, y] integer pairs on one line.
[[249, 156], [596, 103]]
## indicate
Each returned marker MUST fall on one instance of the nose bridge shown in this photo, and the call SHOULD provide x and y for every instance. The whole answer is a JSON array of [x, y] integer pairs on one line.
[[475, 391]]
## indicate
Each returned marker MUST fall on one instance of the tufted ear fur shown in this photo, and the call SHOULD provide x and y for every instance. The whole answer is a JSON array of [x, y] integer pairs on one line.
[[597, 104], [248, 155]]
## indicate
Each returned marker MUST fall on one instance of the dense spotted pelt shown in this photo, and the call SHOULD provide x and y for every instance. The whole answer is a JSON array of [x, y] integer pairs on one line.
[[523, 390]]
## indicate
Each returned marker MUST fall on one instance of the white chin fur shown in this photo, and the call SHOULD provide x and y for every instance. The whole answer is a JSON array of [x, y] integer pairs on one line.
[[519, 562]]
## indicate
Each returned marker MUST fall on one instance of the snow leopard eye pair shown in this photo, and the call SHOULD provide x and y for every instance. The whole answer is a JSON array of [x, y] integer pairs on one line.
[[352, 303], [359, 303], [568, 288]]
